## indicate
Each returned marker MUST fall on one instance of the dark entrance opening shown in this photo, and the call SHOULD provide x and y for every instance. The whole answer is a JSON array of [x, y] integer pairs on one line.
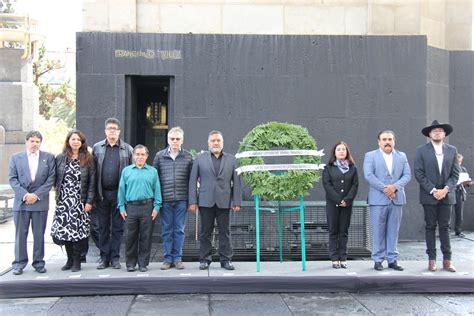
[[147, 108]]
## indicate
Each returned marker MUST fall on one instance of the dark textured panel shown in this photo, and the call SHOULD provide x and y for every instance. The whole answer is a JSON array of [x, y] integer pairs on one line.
[[339, 87], [461, 115]]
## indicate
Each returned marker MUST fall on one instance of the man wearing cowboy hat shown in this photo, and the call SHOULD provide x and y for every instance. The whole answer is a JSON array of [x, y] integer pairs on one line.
[[437, 172]]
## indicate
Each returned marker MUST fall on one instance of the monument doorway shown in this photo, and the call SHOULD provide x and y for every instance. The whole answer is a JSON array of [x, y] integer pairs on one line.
[[147, 111]]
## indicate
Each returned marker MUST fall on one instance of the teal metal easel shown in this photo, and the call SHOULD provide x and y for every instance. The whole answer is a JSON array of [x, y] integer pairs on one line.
[[280, 210]]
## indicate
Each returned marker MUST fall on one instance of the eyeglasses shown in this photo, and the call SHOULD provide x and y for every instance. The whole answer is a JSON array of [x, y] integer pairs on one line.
[[112, 129], [174, 138]]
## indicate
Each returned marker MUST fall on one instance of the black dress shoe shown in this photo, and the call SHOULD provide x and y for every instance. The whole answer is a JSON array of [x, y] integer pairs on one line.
[[227, 265], [460, 235], [103, 265], [395, 266], [17, 271], [203, 265], [142, 269], [378, 266], [41, 270], [131, 269]]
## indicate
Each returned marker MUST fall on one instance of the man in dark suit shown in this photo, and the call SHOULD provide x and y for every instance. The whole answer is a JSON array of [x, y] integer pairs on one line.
[[219, 190], [437, 172], [31, 176]]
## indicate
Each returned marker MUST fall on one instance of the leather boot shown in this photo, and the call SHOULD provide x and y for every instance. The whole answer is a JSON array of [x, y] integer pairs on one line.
[[76, 256], [69, 252], [432, 265], [448, 266]]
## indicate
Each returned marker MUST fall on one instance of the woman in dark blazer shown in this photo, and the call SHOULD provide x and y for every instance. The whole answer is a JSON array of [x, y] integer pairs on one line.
[[340, 181], [75, 193]]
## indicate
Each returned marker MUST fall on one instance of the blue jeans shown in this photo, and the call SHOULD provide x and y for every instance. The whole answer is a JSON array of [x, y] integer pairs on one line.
[[173, 220]]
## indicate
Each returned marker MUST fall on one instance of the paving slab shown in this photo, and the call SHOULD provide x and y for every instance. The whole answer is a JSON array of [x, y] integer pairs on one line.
[[92, 305], [459, 304], [26, 306], [324, 304], [170, 304], [248, 304], [400, 304]]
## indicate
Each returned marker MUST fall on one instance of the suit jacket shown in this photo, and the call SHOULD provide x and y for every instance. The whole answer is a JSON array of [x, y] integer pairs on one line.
[[377, 175], [215, 189], [340, 186], [21, 183], [427, 173]]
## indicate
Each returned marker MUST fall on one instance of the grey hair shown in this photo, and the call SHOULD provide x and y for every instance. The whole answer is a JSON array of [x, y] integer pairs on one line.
[[176, 129]]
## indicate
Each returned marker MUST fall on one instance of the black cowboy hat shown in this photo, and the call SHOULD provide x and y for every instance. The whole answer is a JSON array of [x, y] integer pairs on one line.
[[448, 129]]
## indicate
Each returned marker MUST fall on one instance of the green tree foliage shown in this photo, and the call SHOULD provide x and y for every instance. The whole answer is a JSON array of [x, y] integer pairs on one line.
[[54, 101]]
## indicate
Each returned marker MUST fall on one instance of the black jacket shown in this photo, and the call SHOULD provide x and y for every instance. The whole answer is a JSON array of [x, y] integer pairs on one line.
[[173, 174], [339, 186], [98, 151], [87, 179]]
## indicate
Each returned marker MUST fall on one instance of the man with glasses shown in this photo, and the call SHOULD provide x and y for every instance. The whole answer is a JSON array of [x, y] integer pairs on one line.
[[437, 172], [174, 166], [112, 155], [139, 201]]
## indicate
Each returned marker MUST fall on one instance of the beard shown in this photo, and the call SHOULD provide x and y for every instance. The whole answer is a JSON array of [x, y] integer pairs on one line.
[[215, 150]]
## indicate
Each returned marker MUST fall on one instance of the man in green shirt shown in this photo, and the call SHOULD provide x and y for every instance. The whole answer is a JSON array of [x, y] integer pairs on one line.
[[139, 201]]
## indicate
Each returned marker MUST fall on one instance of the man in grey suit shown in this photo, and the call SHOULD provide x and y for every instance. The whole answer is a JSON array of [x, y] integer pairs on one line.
[[31, 176], [437, 172], [219, 190], [387, 171]]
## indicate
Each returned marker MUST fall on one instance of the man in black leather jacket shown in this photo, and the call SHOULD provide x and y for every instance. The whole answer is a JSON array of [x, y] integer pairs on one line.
[[174, 166], [112, 155]]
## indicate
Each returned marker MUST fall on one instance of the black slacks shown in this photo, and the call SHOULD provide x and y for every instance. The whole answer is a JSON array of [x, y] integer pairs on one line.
[[139, 230], [437, 215], [458, 211], [338, 219], [222, 216]]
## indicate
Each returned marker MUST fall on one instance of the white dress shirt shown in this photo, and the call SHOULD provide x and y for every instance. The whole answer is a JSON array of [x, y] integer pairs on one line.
[[33, 159], [388, 161]]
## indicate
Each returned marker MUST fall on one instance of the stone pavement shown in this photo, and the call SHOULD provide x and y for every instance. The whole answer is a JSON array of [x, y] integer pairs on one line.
[[245, 304]]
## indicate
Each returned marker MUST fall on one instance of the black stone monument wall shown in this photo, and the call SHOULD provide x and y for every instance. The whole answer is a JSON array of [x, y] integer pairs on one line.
[[339, 87]]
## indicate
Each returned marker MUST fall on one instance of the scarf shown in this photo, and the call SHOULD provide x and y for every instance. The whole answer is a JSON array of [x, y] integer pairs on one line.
[[343, 165]]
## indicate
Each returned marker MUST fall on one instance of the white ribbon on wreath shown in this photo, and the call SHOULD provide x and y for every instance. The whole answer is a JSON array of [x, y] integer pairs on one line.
[[276, 167], [301, 166], [269, 153]]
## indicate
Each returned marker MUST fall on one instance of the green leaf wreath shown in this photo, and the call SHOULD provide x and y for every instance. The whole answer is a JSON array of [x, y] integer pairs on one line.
[[288, 185]]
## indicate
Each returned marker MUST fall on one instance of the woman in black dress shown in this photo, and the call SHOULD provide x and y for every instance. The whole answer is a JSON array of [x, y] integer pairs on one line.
[[340, 181], [75, 192]]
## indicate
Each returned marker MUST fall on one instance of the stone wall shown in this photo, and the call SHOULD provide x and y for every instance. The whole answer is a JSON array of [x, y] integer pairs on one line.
[[446, 23], [19, 105]]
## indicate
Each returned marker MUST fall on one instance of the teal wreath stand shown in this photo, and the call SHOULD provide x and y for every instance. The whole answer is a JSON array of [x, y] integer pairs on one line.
[[280, 210]]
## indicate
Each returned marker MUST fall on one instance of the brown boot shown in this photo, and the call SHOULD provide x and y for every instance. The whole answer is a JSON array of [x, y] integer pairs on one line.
[[448, 266], [432, 265]]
